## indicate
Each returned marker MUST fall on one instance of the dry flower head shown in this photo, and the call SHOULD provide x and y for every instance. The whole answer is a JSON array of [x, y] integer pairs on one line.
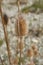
[[35, 52], [30, 53], [21, 30], [5, 19], [34, 47]]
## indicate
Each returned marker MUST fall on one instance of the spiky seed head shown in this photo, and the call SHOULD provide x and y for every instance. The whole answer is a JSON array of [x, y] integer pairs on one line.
[[34, 46], [21, 29], [35, 52], [5, 19], [30, 53]]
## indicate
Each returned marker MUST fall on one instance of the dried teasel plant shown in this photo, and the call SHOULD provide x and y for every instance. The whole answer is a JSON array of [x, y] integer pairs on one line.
[[4, 23], [21, 26], [21, 30]]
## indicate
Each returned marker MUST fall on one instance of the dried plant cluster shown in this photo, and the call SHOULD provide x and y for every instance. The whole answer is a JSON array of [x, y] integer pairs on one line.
[[21, 31], [33, 51]]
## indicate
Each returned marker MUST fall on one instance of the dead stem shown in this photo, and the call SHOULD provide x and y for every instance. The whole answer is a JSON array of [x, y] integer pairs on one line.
[[6, 37], [18, 6], [20, 51], [20, 43], [19, 12], [19, 29]]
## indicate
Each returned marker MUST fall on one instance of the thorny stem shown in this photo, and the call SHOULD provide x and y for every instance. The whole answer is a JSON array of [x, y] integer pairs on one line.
[[20, 50], [6, 38], [20, 41], [19, 29], [18, 24]]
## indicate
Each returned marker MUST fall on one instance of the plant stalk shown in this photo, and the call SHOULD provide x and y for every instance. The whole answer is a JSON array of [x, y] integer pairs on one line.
[[6, 37]]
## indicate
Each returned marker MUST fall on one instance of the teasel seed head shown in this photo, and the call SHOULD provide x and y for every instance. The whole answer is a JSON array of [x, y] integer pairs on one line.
[[34, 47], [30, 53], [5, 19], [21, 29], [35, 52]]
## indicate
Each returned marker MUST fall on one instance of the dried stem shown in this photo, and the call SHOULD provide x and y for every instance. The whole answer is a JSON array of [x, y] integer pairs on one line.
[[20, 41], [19, 29], [6, 37], [20, 50], [18, 6]]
